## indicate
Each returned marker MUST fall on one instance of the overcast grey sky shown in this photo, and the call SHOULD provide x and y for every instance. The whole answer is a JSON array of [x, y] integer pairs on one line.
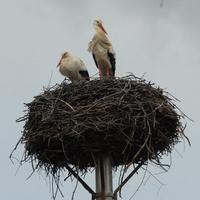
[[162, 42]]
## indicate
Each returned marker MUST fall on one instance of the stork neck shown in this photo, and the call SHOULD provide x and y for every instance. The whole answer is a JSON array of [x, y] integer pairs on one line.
[[101, 35], [99, 31]]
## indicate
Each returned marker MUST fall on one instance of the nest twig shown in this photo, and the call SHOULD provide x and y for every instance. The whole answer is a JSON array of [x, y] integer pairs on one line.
[[128, 118]]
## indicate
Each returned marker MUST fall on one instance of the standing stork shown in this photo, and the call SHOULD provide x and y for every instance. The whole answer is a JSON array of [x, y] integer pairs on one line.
[[102, 51], [73, 68]]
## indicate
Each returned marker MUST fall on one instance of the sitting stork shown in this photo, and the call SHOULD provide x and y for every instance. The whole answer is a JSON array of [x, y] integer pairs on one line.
[[73, 68], [102, 51]]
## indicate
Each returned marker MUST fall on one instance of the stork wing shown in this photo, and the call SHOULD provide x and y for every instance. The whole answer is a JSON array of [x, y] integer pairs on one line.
[[83, 71], [95, 60], [112, 59], [84, 74]]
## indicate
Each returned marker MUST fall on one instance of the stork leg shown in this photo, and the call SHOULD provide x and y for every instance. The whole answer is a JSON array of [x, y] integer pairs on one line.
[[100, 72], [107, 73]]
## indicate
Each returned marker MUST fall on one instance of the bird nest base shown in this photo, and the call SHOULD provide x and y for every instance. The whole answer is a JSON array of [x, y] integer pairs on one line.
[[129, 119]]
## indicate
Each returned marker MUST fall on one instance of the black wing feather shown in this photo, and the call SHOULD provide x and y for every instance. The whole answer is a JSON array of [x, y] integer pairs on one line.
[[95, 60], [112, 61], [84, 74]]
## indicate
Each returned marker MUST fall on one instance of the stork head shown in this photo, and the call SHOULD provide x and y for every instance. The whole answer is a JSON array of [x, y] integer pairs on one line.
[[64, 55], [98, 25]]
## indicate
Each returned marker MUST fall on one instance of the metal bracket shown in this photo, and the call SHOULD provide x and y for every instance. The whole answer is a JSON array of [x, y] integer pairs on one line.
[[103, 180], [127, 179], [83, 183]]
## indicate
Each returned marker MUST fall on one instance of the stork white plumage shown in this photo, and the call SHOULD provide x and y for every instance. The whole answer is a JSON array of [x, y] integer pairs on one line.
[[73, 67], [102, 51]]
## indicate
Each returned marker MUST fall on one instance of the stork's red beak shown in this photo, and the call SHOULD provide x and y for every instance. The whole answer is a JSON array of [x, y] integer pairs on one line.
[[102, 28]]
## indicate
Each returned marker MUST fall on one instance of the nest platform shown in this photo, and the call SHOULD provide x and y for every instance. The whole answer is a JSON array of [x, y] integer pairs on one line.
[[129, 119]]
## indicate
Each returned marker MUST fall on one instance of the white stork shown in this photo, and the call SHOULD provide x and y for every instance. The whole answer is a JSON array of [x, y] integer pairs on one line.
[[73, 68], [102, 51]]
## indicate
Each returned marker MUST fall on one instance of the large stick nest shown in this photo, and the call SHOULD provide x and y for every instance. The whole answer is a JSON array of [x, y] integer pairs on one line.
[[127, 118]]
